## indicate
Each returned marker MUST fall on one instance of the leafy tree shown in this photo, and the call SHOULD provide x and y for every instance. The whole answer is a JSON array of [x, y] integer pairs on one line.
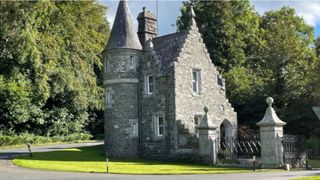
[[317, 46], [288, 59], [228, 27], [231, 33], [49, 51], [262, 56]]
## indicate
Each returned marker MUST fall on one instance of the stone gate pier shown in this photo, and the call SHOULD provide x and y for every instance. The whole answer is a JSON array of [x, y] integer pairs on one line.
[[271, 133], [207, 138]]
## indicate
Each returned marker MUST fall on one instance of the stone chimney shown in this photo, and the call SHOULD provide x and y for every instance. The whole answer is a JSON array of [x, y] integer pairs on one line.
[[147, 28]]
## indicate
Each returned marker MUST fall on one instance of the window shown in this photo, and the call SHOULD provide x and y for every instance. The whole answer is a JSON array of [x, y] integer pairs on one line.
[[108, 98], [149, 84], [220, 80], [196, 122], [131, 62], [160, 126], [196, 81], [135, 128]]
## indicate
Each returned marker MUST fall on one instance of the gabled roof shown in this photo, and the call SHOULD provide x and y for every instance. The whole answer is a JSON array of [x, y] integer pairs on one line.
[[123, 33], [167, 48]]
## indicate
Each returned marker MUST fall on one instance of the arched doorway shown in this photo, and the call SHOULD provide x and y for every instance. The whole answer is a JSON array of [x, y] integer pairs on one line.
[[226, 139]]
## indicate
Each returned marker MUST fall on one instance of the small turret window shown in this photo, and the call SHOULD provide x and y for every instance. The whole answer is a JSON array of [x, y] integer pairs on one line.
[[131, 62]]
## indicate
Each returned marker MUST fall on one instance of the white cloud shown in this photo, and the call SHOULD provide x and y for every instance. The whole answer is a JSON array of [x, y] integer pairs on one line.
[[309, 10]]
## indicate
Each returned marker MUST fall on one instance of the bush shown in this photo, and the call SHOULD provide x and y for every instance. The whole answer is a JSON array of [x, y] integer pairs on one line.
[[314, 145], [32, 139]]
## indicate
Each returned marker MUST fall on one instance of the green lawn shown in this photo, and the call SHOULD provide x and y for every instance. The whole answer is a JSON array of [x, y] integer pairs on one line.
[[309, 178], [314, 163], [91, 159]]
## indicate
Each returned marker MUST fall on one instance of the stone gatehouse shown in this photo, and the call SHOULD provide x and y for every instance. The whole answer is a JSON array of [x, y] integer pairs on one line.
[[156, 88]]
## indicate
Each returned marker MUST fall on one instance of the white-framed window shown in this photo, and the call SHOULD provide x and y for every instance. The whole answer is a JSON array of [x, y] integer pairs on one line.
[[108, 98], [135, 130], [131, 62], [196, 77], [159, 126], [196, 122], [149, 84]]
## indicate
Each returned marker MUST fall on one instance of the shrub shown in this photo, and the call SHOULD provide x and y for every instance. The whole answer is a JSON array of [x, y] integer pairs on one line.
[[314, 145], [32, 139]]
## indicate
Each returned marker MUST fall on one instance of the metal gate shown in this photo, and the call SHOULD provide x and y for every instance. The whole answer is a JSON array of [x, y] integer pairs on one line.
[[295, 151], [233, 148]]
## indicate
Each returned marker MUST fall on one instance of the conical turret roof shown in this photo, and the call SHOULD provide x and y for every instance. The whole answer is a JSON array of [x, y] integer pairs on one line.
[[123, 33]]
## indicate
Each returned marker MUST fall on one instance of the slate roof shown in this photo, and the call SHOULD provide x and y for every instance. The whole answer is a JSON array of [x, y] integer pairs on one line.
[[167, 48], [123, 33]]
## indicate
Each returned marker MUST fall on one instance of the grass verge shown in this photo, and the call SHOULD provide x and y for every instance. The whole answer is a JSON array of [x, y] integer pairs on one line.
[[315, 163], [46, 144], [309, 178], [91, 159]]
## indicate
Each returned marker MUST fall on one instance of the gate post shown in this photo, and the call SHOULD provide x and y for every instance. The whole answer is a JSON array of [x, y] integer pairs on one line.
[[271, 133], [207, 138]]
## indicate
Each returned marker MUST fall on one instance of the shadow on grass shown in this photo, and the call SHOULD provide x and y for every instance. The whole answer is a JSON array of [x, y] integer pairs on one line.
[[89, 154], [96, 154], [93, 153]]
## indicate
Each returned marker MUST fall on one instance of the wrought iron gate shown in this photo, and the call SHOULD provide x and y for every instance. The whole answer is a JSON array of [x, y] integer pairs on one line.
[[232, 148], [295, 151]]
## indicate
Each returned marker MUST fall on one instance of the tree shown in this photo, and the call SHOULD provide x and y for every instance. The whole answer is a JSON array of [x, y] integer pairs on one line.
[[317, 46], [231, 31], [228, 27], [51, 48]]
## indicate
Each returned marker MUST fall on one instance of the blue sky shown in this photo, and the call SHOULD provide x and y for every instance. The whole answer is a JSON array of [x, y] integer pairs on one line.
[[168, 10]]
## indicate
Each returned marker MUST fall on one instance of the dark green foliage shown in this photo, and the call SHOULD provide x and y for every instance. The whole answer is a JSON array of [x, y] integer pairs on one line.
[[230, 31], [313, 145], [227, 28], [261, 56], [287, 60], [49, 57]]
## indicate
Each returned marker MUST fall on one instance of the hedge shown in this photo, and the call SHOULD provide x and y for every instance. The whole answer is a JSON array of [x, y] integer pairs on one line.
[[32, 139]]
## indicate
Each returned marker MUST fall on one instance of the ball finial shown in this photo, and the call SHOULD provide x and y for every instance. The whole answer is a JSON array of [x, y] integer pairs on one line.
[[206, 109], [193, 15], [269, 101]]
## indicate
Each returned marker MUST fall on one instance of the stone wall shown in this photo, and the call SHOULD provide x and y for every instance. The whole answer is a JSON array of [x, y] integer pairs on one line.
[[160, 103], [212, 94], [121, 95]]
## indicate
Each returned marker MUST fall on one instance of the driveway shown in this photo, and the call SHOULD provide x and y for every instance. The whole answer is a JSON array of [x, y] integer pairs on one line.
[[8, 171]]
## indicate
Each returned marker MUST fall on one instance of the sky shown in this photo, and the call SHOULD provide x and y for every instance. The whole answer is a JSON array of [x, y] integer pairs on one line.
[[168, 11]]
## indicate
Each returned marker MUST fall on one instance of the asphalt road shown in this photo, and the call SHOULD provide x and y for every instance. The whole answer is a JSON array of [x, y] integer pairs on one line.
[[8, 171]]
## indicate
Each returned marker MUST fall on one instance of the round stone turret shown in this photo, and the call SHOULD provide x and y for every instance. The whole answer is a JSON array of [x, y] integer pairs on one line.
[[121, 60]]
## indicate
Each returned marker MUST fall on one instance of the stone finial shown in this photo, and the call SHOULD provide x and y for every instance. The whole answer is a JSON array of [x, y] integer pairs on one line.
[[206, 122], [206, 109], [192, 21], [144, 9], [192, 14], [269, 101], [270, 117]]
